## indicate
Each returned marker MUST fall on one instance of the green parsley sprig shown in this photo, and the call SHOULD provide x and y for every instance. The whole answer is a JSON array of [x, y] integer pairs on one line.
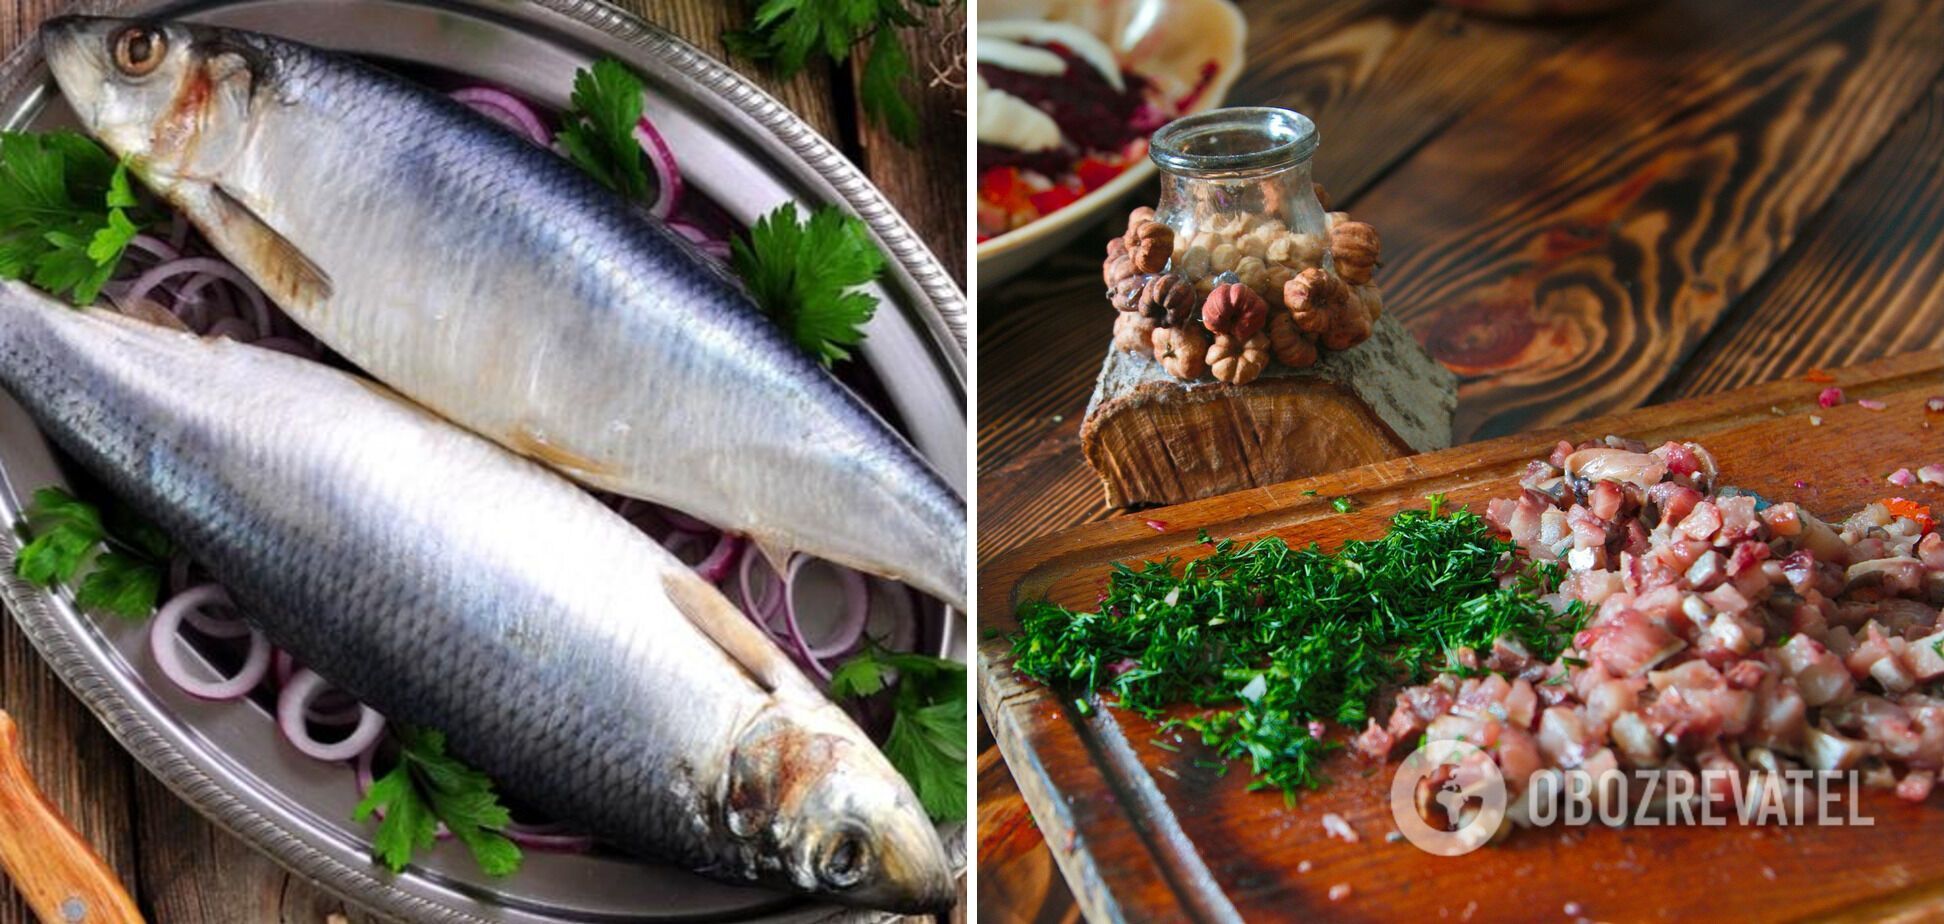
[[927, 740], [427, 788], [1268, 638], [786, 33], [806, 275], [597, 132], [124, 556], [67, 212]]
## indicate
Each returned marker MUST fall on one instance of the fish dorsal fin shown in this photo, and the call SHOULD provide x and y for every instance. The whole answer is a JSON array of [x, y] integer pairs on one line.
[[711, 612], [271, 259]]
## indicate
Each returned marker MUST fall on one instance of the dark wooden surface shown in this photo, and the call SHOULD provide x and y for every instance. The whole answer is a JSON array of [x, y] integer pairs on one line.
[[1152, 833], [1579, 217], [181, 868]]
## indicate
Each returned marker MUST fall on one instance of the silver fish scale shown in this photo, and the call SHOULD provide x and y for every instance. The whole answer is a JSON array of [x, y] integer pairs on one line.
[[561, 323], [530, 625]]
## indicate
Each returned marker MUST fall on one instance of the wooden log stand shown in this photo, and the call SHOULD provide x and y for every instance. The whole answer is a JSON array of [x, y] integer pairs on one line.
[[1154, 439]]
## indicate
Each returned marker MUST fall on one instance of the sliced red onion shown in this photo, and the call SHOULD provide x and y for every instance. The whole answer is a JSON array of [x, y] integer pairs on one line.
[[668, 179], [145, 283], [765, 608], [720, 559], [683, 521], [893, 619], [155, 246], [703, 240], [164, 646], [234, 328], [507, 110], [551, 837], [295, 699], [211, 595], [857, 604]]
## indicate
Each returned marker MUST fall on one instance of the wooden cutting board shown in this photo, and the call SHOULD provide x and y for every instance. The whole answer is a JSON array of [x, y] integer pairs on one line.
[[1146, 834]]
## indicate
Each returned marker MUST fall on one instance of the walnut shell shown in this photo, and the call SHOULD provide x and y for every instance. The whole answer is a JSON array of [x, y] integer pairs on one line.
[[1134, 332], [1372, 298], [1252, 246], [1354, 247], [1295, 249], [1273, 282], [1224, 257], [1290, 346], [1349, 326], [1151, 245], [1116, 269], [1238, 361], [1116, 248], [1181, 350], [1195, 263], [1168, 299], [1235, 310], [1253, 273], [1142, 214], [1322, 195], [1313, 298], [1126, 294]]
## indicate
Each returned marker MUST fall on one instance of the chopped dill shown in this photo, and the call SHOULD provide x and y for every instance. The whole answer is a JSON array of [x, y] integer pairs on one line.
[[1266, 638]]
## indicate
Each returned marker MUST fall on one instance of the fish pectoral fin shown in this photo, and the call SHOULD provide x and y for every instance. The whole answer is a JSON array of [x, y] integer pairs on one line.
[[731, 631], [277, 265]]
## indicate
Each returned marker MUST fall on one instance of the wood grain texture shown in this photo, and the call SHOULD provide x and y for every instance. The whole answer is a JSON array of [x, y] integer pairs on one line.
[[188, 870], [1866, 280], [1155, 834], [926, 179], [1569, 241], [51, 866]]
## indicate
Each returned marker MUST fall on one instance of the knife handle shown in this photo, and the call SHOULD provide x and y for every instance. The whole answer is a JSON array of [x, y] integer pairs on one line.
[[63, 880]]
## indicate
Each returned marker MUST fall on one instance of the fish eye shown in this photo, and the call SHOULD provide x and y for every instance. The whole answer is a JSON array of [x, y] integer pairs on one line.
[[843, 863], [139, 49]]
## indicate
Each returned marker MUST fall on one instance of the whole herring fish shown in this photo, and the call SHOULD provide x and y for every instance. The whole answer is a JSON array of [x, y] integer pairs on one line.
[[451, 584], [496, 283]]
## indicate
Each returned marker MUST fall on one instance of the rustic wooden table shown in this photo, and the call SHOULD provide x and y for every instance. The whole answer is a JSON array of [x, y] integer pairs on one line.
[[1578, 217], [178, 866]]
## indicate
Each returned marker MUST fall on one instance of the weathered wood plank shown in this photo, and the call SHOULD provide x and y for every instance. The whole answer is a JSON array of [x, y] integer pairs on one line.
[[1866, 279], [702, 23], [926, 179], [1566, 243], [1117, 808]]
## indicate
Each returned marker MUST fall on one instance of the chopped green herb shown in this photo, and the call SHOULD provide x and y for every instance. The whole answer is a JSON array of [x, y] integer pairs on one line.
[[124, 576], [598, 131], [927, 740], [787, 33], [67, 211], [1310, 493], [806, 276], [1344, 504], [1267, 638], [428, 788]]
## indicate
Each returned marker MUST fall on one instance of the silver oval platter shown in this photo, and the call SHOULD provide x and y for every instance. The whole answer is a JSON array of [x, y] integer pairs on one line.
[[740, 148]]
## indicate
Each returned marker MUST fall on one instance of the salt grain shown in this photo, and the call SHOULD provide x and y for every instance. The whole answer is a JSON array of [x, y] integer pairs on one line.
[[1340, 891], [1335, 826], [1870, 404]]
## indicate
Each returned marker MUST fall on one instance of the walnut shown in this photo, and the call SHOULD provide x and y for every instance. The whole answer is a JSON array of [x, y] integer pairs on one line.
[[1269, 230], [1290, 346], [1252, 247], [1314, 297], [1126, 293], [1372, 299], [1295, 249], [1332, 219], [1322, 195], [1150, 244], [1349, 326], [1116, 248], [1224, 257], [1354, 248], [1195, 263], [1115, 269], [1273, 282], [1238, 361], [1139, 215], [1168, 299], [1181, 350], [1235, 310], [1253, 273], [1134, 332]]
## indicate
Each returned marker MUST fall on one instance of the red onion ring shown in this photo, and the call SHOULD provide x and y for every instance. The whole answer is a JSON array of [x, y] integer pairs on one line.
[[507, 110], [705, 242], [720, 559], [550, 837], [668, 186], [167, 625], [147, 282], [295, 699], [155, 246], [231, 626], [856, 610], [683, 521]]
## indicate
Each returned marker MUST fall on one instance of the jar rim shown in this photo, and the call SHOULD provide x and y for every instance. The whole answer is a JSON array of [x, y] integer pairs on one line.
[[1206, 143]]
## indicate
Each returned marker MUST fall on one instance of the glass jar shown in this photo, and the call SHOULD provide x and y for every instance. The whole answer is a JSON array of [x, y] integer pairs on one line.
[[1236, 190]]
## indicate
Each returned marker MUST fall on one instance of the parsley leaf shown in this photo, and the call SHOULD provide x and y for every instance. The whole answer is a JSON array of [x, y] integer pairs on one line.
[[598, 131], [65, 212], [927, 739], [787, 33], [124, 579], [427, 788], [805, 276]]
